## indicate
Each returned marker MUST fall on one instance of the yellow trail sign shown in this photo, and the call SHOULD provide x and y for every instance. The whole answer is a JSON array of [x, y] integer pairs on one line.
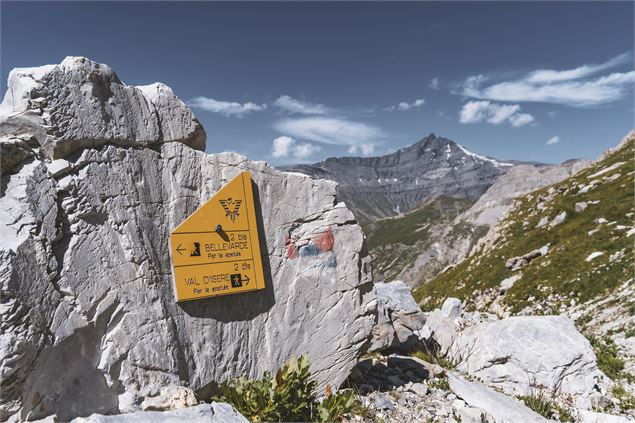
[[216, 250]]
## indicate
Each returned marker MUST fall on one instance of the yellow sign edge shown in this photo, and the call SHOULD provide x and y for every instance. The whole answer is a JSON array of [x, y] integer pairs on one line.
[[253, 236]]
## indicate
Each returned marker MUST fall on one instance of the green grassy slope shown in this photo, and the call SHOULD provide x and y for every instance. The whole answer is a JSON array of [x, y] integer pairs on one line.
[[563, 274], [394, 243]]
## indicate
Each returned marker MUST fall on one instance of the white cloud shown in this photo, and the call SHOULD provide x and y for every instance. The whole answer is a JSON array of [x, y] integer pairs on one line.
[[304, 150], [434, 83], [330, 130], [573, 87], [364, 149], [281, 146], [553, 140], [403, 106], [293, 105], [479, 111], [551, 75], [225, 108], [521, 119], [284, 146]]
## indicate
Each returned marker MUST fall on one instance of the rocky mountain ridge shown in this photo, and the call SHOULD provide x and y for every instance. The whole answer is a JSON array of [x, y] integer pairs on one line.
[[384, 186]]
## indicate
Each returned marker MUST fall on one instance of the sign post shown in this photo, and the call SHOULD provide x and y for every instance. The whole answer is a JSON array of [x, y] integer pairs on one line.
[[216, 250]]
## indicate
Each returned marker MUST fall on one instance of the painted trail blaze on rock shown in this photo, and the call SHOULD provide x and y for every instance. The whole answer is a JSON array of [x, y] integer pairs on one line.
[[311, 245], [216, 250]]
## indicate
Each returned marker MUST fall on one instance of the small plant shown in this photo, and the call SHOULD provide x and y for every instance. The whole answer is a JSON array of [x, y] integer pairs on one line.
[[538, 403], [627, 400], [583, 320], [564, 413], [290, 396], [432, 354], [609, 360], [438, 383]]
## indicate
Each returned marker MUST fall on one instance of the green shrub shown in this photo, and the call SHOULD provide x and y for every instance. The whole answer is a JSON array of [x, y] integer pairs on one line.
[[627, 400], [439, 383], [290, 396], [432, 354], [538, 403], [608, 357], [564, 413]]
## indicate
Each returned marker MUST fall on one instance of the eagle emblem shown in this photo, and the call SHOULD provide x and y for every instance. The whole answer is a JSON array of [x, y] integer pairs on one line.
[[231, 207]]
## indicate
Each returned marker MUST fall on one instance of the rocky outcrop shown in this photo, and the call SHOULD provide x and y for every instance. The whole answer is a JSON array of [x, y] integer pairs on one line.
[[517, 263], [497, 407], [520, 180], [521, 355], [205, 413], [399, 318], [80, 103], [89, 322]]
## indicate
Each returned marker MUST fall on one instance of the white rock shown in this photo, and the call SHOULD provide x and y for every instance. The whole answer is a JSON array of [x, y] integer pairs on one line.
[[595, 417], [399, 317], [170, 398], [80, 103], [558, 219], [451, 308], [500, 408], [89, 322], [420, 389], [58, 167], [204, 413], [466, 413], [606, 170], [580, 207], [594, 255], [507, 283], [515, 353], [542, 222]]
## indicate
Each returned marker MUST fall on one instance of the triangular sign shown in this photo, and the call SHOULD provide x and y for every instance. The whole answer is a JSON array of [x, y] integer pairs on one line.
[[216, 250]]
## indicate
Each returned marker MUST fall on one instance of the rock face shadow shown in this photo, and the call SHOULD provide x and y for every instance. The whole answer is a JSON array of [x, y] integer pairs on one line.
[[243, 306], [70, 387], [369, 376]]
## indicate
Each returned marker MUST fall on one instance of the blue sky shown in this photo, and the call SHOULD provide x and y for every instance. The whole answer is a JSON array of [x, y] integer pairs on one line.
[[299, 82]]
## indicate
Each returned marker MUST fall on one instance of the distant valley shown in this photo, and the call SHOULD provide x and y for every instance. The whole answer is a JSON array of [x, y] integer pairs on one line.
[[424, 207]]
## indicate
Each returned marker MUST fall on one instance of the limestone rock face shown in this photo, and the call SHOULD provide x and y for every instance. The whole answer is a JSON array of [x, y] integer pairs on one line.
[[524, 353], [497, 407], [399, 318], [205, 413], [88, 318], [80, 103]]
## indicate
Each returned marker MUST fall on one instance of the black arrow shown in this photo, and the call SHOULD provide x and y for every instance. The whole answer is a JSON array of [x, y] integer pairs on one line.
[[179, 249], [246, 279]]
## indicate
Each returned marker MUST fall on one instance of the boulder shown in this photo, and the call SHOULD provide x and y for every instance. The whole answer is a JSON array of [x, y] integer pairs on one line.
[[522, 354], [80, 103], [560, 218], [89, 321], [451, 308], [587, 416], [517, 263], [581, 206], [498, 407], [170, 398], [399, 317], [205, 413]]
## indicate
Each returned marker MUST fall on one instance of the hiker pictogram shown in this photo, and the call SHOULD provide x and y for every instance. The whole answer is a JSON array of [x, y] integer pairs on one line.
[[196, 252]]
